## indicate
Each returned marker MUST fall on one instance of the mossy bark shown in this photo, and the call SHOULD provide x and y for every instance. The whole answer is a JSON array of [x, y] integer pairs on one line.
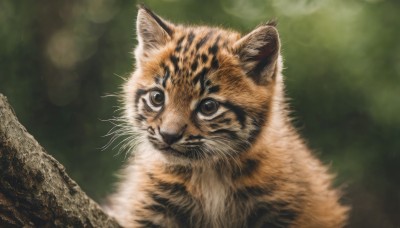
[[35, 190]]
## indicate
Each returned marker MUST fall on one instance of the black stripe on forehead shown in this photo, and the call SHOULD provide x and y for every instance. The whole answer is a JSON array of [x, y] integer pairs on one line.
[[166, 77], [194, 65], [204, 58], [189, 41], [205, 83], [174, 60], [190, 38], [214, 63], [201, 78], [179, 44], [203, 40], [214, 48]]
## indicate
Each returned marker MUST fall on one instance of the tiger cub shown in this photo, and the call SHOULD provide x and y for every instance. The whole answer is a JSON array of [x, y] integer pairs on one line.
[[214, 144]]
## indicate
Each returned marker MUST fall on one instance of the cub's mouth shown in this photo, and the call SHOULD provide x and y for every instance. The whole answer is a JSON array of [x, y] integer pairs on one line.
[[183, 152], [172, 151]]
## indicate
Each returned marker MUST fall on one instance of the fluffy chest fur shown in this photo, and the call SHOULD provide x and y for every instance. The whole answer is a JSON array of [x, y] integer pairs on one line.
[[212, 191], [198, 196]]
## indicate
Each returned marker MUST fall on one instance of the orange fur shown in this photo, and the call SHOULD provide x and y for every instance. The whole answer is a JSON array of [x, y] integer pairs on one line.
[[248, 168]]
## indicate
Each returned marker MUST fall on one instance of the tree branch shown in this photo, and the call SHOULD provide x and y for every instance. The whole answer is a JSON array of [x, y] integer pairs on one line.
[[35, 191]]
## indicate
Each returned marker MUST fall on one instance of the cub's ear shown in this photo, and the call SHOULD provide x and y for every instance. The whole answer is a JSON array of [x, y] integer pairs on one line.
[[258, 53], [152, 32]]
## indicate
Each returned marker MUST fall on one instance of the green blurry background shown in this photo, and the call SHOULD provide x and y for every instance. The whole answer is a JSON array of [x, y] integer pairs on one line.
[[58, 60]]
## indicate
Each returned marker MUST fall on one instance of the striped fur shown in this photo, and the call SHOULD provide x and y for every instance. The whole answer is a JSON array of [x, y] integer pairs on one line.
[[240, 166]]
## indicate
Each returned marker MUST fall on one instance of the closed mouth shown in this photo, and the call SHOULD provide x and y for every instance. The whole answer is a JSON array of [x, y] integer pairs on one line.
[[168, 150]]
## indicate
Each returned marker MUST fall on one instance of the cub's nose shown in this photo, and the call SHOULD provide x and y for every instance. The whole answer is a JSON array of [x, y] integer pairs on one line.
[[171, 137], [172, 126]]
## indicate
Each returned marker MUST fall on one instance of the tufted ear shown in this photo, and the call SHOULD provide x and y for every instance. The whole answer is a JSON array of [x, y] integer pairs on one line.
[[152, 31], [258, 53]]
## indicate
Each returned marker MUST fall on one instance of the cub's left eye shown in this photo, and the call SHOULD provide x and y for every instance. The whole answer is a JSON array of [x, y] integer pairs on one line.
[[209, 107], [157, 98]]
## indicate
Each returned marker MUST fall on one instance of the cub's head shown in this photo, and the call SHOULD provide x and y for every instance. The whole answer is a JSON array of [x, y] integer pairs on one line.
[[200, 92]]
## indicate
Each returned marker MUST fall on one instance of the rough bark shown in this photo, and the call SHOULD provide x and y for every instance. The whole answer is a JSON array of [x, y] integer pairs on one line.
[[35, 190]]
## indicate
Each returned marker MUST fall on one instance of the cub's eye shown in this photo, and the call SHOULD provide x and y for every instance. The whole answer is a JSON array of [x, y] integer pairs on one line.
[[209, 107], [157, 98]]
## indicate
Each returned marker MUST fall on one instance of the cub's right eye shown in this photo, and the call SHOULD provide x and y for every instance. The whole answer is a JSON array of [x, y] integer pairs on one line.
[[157, 98], [209, 107]]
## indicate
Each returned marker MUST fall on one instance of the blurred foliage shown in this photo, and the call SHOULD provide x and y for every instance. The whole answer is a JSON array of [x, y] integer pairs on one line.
[[58, 60]]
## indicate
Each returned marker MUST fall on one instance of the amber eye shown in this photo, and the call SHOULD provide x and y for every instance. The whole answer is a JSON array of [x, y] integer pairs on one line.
[[209, 107], [157, 98]]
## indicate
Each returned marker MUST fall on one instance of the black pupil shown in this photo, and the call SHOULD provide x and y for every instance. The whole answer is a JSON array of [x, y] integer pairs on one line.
[[209, 107], [158, 97]]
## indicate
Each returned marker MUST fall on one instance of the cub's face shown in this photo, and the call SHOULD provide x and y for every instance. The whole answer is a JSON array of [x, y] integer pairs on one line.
[[191, 96]]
